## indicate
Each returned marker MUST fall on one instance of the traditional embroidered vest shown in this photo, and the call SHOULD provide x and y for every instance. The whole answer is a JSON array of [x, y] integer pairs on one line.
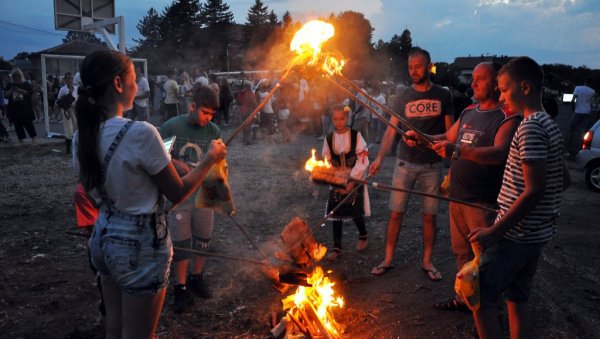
[[345, 159]]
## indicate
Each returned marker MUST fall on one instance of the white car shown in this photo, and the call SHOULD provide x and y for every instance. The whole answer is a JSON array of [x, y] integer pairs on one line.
[[588, 159]]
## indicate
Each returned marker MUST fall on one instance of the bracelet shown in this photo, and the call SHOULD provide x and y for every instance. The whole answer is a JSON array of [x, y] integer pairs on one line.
[[456, 152]]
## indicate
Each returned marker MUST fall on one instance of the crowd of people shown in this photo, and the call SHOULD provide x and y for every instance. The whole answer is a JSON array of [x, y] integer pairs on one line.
[[505, 153]]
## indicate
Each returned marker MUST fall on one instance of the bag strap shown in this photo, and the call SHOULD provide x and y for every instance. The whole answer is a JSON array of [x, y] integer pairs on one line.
[[111, 151]]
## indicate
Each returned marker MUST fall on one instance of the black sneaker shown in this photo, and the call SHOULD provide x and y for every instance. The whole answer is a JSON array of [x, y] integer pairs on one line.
[[199, 286], [183, 299]]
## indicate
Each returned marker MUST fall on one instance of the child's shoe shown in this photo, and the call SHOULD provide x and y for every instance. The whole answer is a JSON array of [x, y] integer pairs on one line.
[[334, 254], [362, 243]]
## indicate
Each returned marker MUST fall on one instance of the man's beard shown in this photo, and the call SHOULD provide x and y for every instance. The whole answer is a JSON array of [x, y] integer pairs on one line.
[[420, 80]]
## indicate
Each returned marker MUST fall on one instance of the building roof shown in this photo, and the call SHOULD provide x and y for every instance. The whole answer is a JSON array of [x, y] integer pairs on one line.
[[74, 47], [463, 63]]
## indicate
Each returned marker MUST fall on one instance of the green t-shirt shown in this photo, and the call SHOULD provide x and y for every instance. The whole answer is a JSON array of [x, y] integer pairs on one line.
[[192, 141]]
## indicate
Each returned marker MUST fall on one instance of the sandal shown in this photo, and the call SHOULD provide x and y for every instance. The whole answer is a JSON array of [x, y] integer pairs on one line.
[[451, 305], [381, 270], [363, 242], [432, 273]]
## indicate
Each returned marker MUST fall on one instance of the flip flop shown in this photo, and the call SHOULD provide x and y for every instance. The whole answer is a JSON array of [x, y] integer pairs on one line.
[[433, 274], [380, 270]]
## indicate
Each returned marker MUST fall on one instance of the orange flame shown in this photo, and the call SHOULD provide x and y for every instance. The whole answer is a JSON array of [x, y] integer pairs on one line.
[[319, 299], [310, 37], [333, 65], [313, 162]]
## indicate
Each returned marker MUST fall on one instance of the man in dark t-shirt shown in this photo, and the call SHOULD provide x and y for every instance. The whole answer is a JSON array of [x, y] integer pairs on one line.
[[478, 145], [428, 108]]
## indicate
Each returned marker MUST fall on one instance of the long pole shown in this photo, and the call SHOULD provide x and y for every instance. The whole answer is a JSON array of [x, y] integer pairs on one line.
[[384, 187], [265, 100], [222, 256], [367, 106], [386, 109]]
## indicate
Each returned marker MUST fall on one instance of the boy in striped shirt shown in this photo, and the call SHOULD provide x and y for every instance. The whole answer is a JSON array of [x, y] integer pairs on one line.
[[534, 178]]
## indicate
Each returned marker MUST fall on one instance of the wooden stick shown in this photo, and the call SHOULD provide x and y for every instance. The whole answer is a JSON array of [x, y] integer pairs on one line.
[[247, 234], [222, 256], [264, 101], [386, 109]]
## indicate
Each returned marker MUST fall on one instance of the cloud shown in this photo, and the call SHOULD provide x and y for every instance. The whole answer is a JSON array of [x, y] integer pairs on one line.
[[443, 23]]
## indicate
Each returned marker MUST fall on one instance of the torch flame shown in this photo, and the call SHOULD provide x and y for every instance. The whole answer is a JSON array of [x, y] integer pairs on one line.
[[333, 65], [313, 162], [310, 37]]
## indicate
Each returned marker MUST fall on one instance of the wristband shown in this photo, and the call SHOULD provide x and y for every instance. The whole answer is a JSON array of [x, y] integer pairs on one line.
[[456, 152]]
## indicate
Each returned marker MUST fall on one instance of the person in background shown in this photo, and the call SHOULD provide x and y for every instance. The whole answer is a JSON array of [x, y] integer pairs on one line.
[[246, 101], [534, 178], [346, 148], [185, 92], [171, 95], [66, 103], [461, 100], [225, 99], [191, 227], [582, 107], [125, 167], [20, 112], [376, 126], [140, 104]]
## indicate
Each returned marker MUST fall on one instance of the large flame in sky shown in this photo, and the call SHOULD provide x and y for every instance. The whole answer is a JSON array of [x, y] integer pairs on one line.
[[310, 37]]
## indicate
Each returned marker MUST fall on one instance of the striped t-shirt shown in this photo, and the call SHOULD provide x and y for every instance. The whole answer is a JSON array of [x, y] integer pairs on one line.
[[537, 139]]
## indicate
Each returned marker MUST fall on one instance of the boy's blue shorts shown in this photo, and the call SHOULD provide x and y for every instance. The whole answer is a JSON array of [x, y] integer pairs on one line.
[[508, 269]]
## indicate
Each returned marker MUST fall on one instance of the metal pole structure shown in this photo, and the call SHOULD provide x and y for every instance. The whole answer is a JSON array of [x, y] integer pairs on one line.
[[45, 95], [122, 35]]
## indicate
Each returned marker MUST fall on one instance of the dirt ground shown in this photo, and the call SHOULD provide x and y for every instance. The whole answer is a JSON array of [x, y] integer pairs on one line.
[[47, 289]]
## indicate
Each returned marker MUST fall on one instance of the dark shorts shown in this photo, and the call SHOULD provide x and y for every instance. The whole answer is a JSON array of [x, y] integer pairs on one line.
[[508, 269]]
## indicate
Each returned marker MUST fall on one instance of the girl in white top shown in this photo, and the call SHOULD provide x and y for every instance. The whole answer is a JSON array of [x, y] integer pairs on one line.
[[345, 147], [129, 245]]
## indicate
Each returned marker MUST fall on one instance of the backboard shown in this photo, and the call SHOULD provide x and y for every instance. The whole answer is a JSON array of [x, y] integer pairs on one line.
[[72, 15]]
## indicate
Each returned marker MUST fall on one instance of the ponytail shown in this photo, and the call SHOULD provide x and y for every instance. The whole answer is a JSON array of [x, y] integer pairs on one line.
[[97, 73]]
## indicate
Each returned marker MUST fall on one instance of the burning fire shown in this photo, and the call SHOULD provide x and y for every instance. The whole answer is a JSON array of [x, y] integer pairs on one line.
[[310, 308], [333, 65], [310, 37], [313, 162]]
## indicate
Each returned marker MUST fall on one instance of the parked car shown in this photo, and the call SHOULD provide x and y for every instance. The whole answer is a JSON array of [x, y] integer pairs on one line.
[[588, 159]]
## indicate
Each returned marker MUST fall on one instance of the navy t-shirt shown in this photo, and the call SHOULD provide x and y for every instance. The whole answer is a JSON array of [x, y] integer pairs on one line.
[[469, 180], [426, 111]]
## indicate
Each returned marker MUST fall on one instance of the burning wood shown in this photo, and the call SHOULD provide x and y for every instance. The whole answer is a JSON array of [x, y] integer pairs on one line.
[[301, 245], [310, 310]]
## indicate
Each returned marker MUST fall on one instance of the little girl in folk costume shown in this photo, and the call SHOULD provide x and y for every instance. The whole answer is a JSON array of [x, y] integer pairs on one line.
[[345, 147]]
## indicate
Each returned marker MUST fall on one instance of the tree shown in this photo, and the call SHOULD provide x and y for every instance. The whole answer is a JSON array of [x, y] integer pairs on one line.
[[256, 32], [286, 20], [353, 33], [217, 21], [83, 36], [273, 20], [180, 29], [149, 27], [5, 65]]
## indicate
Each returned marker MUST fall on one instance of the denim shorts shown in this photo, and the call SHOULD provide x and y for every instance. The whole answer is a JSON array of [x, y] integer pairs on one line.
[[132, 251], [420, 177], [508, 269]]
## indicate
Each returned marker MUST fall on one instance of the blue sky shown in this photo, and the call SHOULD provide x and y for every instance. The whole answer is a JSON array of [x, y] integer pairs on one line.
[[550, 31]]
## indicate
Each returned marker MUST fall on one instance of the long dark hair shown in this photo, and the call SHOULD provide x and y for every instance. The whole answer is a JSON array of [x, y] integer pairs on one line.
[[98, 71]]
